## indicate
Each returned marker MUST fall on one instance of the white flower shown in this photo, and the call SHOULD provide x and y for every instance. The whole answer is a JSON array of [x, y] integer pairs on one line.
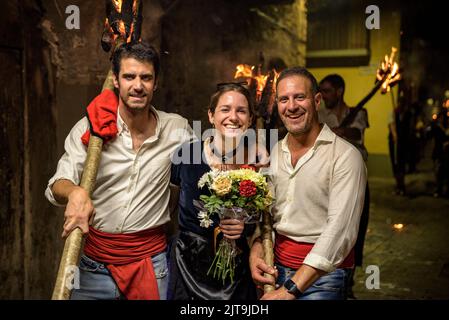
[[214, 173], [202, 215], [205, 221], [203, 180]]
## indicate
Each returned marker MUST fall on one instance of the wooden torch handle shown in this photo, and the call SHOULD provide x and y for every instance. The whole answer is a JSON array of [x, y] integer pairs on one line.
[[267, 242], [68, 272]]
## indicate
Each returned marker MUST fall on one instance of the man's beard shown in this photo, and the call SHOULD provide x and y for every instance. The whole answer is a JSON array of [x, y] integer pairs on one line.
[[300, 131], [141, 107]]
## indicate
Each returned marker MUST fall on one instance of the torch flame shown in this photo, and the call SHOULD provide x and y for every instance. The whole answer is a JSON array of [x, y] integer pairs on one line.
[[243, 70], [122, 28], [388, 72], [261, 82], [247, 71], [130, 33], [117, 5], [275, 80], [116, 26]]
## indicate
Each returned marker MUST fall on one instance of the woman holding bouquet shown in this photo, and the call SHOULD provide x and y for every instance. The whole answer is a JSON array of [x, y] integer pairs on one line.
[[230, 113]]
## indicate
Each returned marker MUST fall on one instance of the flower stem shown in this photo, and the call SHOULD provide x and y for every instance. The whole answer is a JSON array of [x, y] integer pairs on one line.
[[223, 265]]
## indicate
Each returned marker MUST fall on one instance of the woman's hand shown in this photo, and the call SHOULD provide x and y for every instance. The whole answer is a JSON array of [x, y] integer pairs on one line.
[[232, 228]]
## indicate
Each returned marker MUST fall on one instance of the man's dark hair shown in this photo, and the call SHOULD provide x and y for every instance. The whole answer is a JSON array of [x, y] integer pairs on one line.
[[139, 51], [301, 72], [335, 80]]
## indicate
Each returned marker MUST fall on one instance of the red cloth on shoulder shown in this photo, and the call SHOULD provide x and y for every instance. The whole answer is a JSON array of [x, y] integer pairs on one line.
[[128, 257], [102, 115]]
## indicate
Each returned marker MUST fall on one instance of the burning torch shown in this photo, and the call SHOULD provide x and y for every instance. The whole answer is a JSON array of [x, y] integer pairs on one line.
[[122, 25], [262, 89], [387, 75]]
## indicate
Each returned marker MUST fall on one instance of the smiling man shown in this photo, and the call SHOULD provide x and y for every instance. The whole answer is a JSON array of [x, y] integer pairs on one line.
[[319, 183], [125, 251]]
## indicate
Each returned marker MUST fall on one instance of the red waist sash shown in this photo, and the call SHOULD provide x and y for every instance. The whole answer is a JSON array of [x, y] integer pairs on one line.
[[128, 258], [291, 254]]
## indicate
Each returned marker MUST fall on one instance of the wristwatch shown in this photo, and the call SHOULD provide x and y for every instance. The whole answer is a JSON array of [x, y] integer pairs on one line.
[[292, 288]]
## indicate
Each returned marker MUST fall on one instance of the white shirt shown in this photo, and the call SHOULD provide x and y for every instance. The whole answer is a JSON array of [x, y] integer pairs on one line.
[[360, 122], [320, 200], [132, 188]]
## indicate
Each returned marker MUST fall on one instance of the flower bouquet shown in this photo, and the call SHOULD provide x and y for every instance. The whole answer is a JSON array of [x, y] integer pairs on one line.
[[239, 194]]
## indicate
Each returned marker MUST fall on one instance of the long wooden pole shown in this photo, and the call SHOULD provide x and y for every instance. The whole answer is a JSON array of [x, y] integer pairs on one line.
[[351, 116], [267, 225], [68, 267], [267, 242]]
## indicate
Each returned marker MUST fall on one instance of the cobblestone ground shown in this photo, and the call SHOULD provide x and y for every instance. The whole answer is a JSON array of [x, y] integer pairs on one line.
[[414, 261]]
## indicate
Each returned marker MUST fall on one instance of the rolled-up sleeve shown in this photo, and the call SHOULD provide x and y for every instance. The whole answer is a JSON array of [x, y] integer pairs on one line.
[[70, 166], [346, 197]]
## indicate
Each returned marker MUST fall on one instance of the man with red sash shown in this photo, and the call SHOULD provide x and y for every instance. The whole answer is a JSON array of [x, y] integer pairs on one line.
[[319, 183], [125, 250], [333, 113]]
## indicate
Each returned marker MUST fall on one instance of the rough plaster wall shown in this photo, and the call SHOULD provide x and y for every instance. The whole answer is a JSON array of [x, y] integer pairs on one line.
[[28, 248], [11, 177], [283, 31], [43, 223], [11, 157], [206, 40]]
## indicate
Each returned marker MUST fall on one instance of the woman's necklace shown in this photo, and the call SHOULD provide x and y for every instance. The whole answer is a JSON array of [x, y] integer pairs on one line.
[[224, 157]]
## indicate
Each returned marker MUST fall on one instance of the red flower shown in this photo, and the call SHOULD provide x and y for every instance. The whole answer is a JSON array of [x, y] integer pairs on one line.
[[247, 188], [248, 166]]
